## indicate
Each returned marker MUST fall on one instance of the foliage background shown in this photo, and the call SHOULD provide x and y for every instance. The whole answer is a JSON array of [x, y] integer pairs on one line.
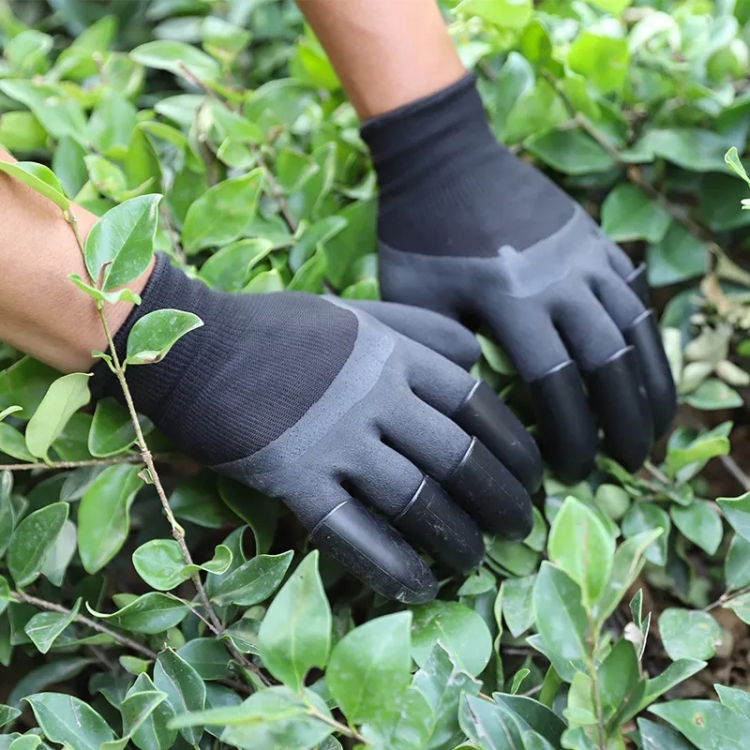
[[634, 593]]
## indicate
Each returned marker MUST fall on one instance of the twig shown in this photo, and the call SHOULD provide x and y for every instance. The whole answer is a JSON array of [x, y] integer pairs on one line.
[[273, 186], [656, 473], [733, 468], [22, 598], [177, 531], [130, 459], [727, 597], [632, 171]]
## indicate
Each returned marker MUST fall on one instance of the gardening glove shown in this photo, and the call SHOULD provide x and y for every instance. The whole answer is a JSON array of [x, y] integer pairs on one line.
[[378, 444], [472, 232]]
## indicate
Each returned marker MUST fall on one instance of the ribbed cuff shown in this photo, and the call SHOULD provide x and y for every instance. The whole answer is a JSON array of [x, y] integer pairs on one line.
[[445, 132]]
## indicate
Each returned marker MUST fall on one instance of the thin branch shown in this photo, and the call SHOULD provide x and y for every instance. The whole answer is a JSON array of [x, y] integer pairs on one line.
[[733, 468], [129, 459], [148, 459], [23, 598]]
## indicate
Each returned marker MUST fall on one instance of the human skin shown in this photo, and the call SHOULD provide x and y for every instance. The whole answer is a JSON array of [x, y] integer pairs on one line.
[[387, 52], [41, 311]]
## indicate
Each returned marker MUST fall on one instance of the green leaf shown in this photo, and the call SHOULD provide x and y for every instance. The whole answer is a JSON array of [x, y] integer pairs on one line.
[[490, 725], [184, 688], [689, 634], [673, 675], [700, 523], [60, 554], [459, 629], [208, 657], [161, 565], [443, 682], [228, 269], [660, 737], [615, 7], [120, 246], [505, 14], [581, 546], [4, 595], [59, 115], [112, 430], [13, 443], [369, 669], [407, 726], [254, 581], [560, 616], [737, 700], [104, 515], [259, 512], [7, 511], [644, 517], [602, 60], [572, 152], [112, 298], [31, 542], [737, 563], [691, 148], [39, 178], [153, 335], [707, 724], [223, 213], [685, 460], [45, 627], [154, 732], [737, 511], [8, 715], [628, 214], [63, 399], [295, 635], [137, 709], [535, 714], [150, 614], [621, 686], [713, 394], [732, 158], [178, 58], [678, 256], [272, 719], [67, 720]]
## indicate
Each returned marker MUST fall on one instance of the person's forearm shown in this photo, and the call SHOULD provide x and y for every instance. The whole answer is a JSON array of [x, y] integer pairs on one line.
[[387, 52], [41, 312]]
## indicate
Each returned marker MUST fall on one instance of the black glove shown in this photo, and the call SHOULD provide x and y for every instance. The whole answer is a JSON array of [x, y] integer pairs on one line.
[[470, 231], [318, 403]]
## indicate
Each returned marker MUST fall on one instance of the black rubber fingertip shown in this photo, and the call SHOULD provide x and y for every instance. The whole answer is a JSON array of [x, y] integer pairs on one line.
[[371, 550], [485, 416], [619, 399], [660, 387], [431, 521], [490, 494], [638, 282], [566, 430]]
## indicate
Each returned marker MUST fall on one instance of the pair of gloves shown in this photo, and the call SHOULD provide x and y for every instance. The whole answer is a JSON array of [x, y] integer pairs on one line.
[[363, 417]]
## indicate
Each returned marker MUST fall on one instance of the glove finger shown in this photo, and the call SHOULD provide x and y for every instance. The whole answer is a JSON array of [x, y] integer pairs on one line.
[[366, 545], [566, 429], [470, 474], [435, 331], [641, 330], [635, 278], [477, 410], [418, 507], [616, 392]]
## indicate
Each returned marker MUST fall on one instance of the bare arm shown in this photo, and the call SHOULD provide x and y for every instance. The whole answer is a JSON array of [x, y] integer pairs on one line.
[[41, 311], [387, 52]]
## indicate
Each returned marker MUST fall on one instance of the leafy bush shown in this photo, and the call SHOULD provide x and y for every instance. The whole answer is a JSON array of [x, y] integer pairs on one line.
[[606, 628]]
